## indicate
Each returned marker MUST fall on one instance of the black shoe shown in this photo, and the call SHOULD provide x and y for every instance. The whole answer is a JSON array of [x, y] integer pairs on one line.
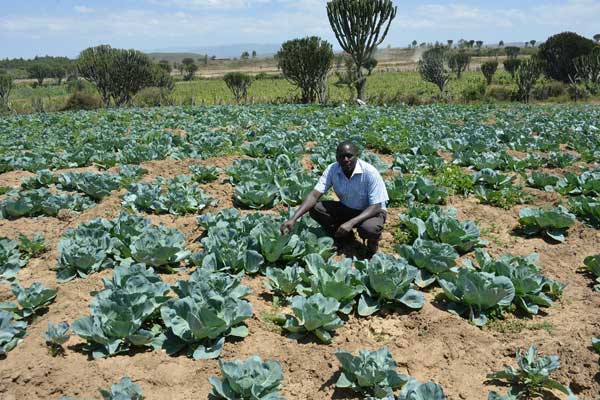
[[372, 247]]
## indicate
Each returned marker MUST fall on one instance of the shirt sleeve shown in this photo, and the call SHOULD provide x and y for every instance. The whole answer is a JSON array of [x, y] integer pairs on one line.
[[377, 191], [324, 181]]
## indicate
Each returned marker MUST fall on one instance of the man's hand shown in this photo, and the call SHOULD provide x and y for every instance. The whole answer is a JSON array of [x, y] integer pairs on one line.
[[344, 229], [287, 226]]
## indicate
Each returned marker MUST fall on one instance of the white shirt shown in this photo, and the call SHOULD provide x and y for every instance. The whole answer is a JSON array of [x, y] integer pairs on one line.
[[364, 188]]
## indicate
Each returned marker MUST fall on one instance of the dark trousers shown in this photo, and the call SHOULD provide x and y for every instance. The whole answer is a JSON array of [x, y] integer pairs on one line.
[[332, 214]]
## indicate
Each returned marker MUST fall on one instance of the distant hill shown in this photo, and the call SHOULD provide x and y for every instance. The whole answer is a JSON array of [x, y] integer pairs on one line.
[[225, 51]]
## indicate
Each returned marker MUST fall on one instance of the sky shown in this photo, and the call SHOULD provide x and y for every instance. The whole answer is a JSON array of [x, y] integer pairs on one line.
[[65, 27]]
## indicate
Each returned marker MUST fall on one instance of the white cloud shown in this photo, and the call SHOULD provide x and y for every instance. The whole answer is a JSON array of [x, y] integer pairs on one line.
[[83, 9]]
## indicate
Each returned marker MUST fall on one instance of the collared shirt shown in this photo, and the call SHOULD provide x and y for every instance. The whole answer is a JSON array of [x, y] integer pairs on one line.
[[364, 188]]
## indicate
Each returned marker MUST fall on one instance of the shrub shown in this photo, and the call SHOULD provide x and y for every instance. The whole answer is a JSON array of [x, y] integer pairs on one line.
[[473, 92], [306, 63], [548, 88], [153, 97], [511, 65], [82, 101], [488, 69], [499, 92], [559, 51], [238, 83]]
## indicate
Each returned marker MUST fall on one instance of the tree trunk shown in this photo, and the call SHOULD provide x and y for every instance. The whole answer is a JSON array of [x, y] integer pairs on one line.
[[360, 84]]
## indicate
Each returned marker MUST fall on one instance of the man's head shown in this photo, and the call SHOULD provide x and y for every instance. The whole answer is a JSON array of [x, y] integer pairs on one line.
[[346, 155]]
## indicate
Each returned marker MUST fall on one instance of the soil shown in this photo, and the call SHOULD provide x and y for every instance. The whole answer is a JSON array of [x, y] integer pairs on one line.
[[430, 344]]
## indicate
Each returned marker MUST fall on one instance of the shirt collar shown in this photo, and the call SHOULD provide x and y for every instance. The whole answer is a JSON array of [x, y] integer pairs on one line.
[[358, 169]]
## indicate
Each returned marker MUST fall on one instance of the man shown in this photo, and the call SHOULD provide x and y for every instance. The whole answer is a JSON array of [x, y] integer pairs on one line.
[[362, 195]]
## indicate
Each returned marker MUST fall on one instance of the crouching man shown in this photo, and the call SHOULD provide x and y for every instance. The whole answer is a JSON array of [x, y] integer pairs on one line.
[[362, 195]]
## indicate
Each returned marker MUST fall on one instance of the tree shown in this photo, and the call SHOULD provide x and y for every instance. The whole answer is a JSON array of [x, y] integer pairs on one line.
[[95, 65], [189, 70], [6, 85], [245, 55], [57, 72], [119, 74], [306, 63], [488, 69], [414, 44], [511, 65], [532, 43], [471, 43], [450, 41], [458, 62], [39, 70], [559, 51], [525, 77], [187, 61], [359, 27], [370, 65], [597, 37], [479, 44], [432, 67], [587, 71], [501, 43], [512, 51], [165, 65], [238, 83], [253, 53]]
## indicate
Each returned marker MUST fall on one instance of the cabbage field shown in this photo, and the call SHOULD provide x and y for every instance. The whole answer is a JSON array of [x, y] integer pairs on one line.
[[140, 255]]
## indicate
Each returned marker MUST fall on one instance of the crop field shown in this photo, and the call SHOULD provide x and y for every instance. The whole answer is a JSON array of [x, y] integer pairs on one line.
[[383, 87], [154, 233]]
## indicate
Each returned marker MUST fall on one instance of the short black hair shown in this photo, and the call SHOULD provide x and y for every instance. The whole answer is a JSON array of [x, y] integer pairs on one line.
[[347, 143]]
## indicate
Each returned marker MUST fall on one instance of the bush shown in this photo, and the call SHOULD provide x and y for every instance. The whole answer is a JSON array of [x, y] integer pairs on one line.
[[238, 83], [473, 92], [80, 85], [153, 97], [547, 89], [500, 92], [81, 100], [488, 69], [558, 53]]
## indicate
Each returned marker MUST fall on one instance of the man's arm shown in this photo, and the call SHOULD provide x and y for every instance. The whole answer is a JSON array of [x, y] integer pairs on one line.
[[367, 213], [308, 203]]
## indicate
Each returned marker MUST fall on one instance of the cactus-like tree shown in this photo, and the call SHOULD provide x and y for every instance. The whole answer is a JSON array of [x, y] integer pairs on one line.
[[360, 26], [479, 44], [525, 77], [238, 83], [511, 65], [39, 71], [587, 71], [512, 51], [119, 74], [488, 69], [306, 63], [432, 67], [6, 85], [189, 67], [458, 62]]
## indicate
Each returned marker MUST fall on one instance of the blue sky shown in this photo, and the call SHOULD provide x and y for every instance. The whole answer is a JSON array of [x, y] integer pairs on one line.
[[65, 27]]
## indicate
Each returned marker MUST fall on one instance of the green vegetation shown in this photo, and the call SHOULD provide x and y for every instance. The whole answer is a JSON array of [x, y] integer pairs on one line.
[[359, 27]]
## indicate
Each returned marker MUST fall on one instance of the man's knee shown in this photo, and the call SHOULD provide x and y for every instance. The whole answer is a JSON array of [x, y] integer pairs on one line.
[[372, 227]]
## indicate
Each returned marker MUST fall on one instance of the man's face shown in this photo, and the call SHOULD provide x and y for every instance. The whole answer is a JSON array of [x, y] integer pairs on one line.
[[347, 158]]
